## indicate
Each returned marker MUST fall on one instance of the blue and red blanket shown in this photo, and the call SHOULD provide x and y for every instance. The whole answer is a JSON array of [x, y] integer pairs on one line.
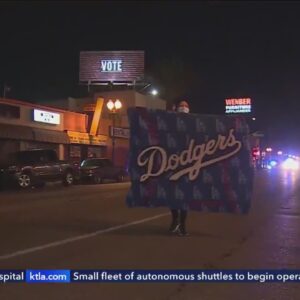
[[190, 161]]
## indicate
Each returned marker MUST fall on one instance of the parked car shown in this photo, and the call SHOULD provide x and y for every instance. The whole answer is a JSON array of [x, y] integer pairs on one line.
[[98, 169], [35, 167]]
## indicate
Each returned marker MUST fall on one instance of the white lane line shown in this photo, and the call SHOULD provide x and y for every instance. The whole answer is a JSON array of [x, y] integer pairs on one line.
[[78, 238]]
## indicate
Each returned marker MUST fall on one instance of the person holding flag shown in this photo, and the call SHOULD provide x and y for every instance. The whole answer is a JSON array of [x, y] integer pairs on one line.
[[179, 216]]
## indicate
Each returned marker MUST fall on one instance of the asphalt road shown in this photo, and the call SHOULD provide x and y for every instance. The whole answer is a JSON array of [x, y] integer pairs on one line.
[[90, 227]]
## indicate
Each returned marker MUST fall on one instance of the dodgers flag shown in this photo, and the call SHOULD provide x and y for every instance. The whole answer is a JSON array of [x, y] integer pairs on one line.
[[189, 161]]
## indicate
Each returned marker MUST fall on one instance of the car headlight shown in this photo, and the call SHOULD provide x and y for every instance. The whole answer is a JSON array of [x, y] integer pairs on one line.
[[290, 164]]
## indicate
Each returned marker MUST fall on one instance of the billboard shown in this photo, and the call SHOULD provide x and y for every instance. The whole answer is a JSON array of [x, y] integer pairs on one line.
[[111, 66], [46, 117], [191, 161], [238, 105]]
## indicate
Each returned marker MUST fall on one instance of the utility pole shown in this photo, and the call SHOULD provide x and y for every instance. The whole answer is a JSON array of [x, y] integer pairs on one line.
[[6, 88]]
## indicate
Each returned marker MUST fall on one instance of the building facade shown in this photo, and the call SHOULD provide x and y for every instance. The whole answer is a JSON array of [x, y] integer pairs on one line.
[[100, 123], [75, 128], [24, 126]]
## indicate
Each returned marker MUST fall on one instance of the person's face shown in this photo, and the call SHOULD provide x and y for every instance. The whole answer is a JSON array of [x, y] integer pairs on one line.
[[183, 106]]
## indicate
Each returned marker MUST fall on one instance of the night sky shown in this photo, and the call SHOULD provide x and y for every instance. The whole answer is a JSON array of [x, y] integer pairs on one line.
[[201, 51]]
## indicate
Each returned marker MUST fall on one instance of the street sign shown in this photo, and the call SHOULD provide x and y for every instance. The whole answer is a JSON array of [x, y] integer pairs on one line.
[[119, 132]]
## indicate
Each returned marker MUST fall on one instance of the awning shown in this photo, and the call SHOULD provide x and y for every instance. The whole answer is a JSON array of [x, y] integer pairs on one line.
[[16, 132], [50, 136]]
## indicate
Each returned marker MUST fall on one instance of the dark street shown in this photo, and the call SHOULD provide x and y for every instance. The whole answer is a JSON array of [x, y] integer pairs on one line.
[[149, 150], [90, 227]]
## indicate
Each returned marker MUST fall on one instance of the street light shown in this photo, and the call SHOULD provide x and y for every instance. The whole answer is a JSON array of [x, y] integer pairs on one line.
[[113, 107], [154, 92]]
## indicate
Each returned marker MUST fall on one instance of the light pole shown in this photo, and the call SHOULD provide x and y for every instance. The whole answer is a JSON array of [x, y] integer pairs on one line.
[[113, 107]]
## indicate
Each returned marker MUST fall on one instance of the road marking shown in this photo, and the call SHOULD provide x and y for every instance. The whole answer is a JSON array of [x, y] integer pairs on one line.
[[78, 238]]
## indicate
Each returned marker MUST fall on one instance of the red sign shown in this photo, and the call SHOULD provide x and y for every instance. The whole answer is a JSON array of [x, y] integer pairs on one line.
[[239, 105], [255, 152], [240, 101]]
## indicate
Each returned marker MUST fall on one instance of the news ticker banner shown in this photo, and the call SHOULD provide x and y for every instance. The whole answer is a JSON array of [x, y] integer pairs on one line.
[[148, 276]]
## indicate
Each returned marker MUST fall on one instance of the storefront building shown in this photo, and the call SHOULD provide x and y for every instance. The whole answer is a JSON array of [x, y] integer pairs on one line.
[[107, 131], [24, 126], [100, 122], [83, 145]]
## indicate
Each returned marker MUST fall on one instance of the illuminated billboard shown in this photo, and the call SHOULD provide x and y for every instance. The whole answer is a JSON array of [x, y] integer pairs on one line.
[[239, 105], [111, 66], [46, 117]]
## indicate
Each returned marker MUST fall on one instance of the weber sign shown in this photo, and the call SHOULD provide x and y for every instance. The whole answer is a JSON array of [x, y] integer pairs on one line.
[[111, 66], [240, 105]]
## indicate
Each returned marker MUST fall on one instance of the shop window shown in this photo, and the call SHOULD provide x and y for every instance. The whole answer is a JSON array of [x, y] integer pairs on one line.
[[9, 111], [75, 153], [39, 145], [95, 151], [51, 156]]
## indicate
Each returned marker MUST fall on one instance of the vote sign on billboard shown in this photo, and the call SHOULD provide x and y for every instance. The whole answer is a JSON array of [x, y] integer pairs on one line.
[[111, 66]]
